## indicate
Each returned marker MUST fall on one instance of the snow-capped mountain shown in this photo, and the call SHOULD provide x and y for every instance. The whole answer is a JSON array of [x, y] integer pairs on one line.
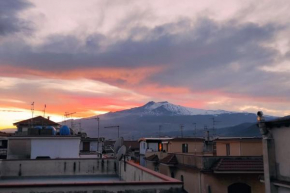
[[164, 109], [146, 121]]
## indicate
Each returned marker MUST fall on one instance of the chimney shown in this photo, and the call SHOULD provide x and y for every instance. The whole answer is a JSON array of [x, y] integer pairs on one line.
[[48, 117]]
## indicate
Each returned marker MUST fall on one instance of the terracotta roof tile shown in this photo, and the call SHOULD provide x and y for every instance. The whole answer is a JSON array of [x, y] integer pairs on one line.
[[170, 160], [153, 157], [37, 121], [228, 164]]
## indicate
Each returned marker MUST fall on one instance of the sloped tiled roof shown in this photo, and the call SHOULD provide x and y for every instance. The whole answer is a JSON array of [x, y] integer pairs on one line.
[[37, 121], [153, 157], [169, 160], [239, 165]]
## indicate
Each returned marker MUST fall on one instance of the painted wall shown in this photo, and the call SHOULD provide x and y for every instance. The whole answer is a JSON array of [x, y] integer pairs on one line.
[[94, 146], [176, 146], [254, 148], [219, 182], [240, 148], [59, 167], [198, 182], [143, 147], [282, 152], [151, 146], [55, 147], [19, 149]]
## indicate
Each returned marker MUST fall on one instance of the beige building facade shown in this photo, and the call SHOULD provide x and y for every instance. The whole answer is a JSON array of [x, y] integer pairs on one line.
[[276, 153], [201, 171]]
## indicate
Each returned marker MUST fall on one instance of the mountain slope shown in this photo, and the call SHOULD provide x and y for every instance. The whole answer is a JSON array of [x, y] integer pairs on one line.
[[163, 109], [146, 120]]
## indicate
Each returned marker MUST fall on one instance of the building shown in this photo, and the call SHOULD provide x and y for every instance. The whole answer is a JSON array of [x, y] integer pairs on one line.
[[40, 147], [276, 153], [152, 145], [82, 175], [222, 166], [91, 147], [32, 126], [239, 146]]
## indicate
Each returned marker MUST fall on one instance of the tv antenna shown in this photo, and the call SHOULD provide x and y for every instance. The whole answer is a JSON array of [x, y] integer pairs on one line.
[[194, 135], [214, 123], [181, 130], [69, 115], [32, 111], [98, 119], [160, 127]]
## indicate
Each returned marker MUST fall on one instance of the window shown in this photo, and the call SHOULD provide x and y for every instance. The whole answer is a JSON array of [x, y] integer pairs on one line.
[[160, 147], [228, 150], [144, 145], [172, 174], [182, 178], [185, 148], [86, 146]]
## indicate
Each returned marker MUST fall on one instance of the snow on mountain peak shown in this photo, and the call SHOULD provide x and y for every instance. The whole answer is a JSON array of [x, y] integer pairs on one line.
[[166, 108]]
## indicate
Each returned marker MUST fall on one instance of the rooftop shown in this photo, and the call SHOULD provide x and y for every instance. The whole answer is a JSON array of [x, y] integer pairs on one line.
[[169, 160], [229, 165], [55, 179], [36, 121], [188, 139], [279, 122], [237, 138], [154, 139]]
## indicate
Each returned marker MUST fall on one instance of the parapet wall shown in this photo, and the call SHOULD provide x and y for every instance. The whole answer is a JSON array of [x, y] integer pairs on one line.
[[57, 167]]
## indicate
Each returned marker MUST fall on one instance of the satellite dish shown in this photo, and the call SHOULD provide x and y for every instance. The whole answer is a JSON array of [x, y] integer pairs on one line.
[[121, 152], [119, 142]]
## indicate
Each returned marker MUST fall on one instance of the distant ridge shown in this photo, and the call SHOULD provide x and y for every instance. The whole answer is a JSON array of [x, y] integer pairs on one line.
[[163, 109], [145, 121]]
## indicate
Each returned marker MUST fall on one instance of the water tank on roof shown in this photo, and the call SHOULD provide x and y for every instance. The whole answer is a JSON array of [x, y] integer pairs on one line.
[[64, 130], [37, 127], [51, 128]]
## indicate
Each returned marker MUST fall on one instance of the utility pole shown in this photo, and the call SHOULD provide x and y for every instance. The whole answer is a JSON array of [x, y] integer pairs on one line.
[[194, 137], [98, 119], [44, 110], [43, 114], [181, 130], [213, 126], [67, 114]]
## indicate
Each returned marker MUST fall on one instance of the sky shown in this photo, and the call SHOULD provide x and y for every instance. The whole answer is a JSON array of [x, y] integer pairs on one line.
[[93, 57]]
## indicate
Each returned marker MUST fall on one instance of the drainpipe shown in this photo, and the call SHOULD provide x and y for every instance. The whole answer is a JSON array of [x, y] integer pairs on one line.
[[199, 182]]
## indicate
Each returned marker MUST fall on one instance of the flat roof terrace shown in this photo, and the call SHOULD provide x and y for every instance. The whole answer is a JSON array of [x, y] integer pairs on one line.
[[58, 180], [82, 175]]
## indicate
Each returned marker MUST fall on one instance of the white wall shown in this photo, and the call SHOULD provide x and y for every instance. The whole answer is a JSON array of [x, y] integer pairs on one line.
[[55, 147], [153, 146], [143, 147], [150, 145], [282, 153]]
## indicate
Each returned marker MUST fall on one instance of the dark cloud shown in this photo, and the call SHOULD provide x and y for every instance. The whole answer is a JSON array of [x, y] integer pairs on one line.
[[9, 20], [204, 55]]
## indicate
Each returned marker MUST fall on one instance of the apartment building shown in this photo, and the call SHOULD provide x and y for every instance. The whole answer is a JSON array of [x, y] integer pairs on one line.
[[276, 154], [232, 165]]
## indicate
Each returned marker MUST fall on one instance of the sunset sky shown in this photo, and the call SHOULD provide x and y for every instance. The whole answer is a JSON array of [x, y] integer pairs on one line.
[[93, 57]]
